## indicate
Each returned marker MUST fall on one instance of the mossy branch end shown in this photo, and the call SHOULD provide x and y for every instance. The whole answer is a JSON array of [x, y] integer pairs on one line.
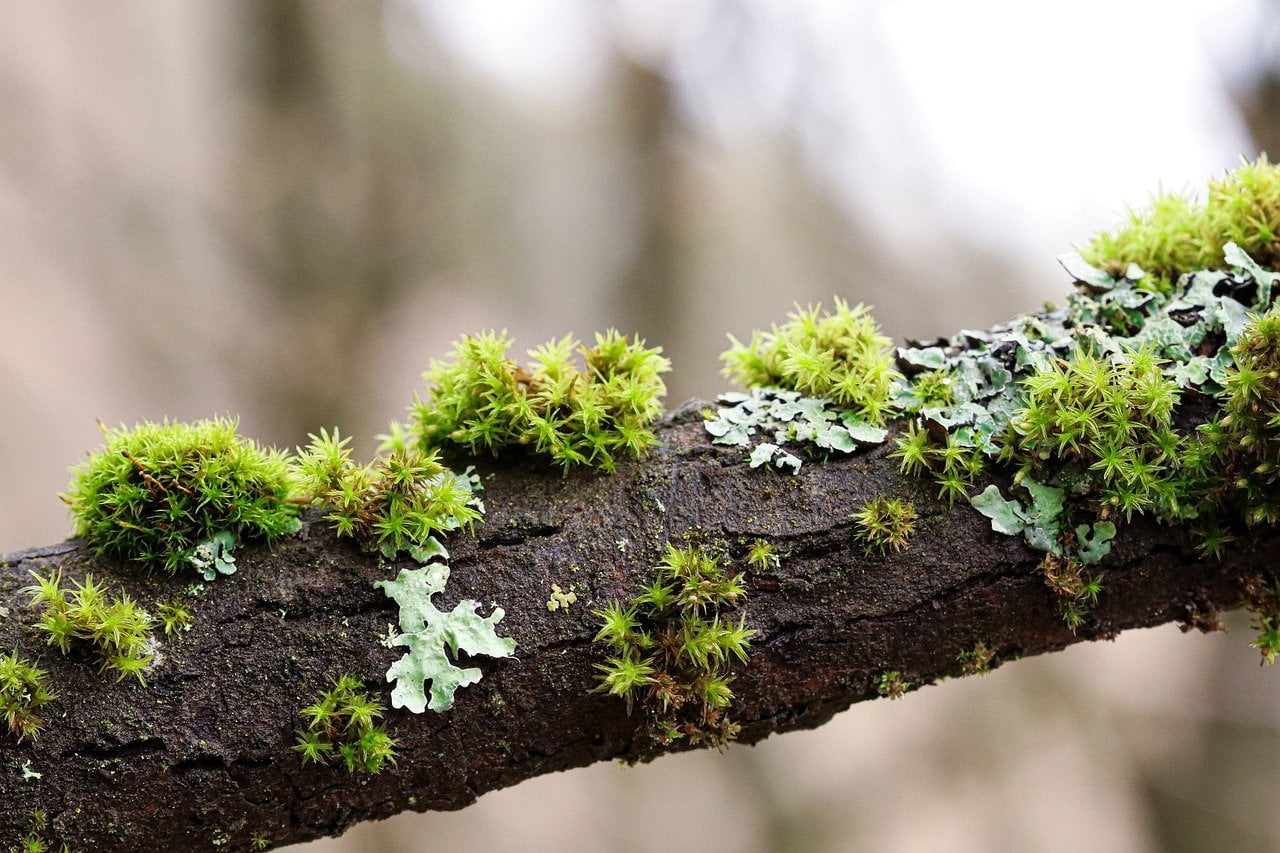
[[873, 521]]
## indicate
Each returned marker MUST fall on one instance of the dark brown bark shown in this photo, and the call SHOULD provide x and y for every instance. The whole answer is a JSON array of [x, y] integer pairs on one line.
[[202, 756]]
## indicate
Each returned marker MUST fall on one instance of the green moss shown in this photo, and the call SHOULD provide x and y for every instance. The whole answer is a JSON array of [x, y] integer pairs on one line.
[[885, 524], [484, 401], [892, 685], [671, 647], [976, 661], [762, 556], [840, 356], [1110, 420], [174, 616], [1175, 234], [155, 492], [86, 616], [23, 692], [398, 503], [1243, 445], [343, 725], [953, 464]]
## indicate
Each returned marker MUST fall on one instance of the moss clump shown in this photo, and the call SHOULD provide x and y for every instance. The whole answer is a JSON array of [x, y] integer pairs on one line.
[[155, 492], [1244, 443], [1175, 234], [885, 524], [976, 661], [23, 691], [1108, 418], [671, 647], [762, 556], [85, 615], [397, 503], [484, 401], [953, 465], [892, 685], [343, 724], [841, 356]]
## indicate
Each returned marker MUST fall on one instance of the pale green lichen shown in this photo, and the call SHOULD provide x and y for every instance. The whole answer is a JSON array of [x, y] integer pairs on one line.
[[427, 632], [561, 599], [786, 417]]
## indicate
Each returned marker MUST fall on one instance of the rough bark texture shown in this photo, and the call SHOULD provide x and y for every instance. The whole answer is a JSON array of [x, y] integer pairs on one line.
[[201, 758]]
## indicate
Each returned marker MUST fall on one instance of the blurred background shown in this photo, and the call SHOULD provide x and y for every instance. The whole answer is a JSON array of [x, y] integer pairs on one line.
[[283, 209]]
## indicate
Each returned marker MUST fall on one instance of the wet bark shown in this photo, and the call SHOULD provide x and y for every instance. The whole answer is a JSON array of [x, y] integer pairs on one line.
[[201, 757]]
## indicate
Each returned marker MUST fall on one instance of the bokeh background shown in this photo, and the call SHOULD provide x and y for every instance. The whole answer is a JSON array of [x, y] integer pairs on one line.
[[283, 209]]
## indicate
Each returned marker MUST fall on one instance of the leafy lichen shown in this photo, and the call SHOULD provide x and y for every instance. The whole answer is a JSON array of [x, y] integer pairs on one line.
[[427, 632], [787, 417]]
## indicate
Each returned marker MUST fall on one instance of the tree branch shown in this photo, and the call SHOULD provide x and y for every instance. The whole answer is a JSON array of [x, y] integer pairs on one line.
[[202, 757]]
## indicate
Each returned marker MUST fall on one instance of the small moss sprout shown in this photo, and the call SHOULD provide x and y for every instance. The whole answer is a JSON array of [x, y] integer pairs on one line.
[[892, 685], [976, 661], [84, 615], [155, 492], [344, 725], [841, 356], [483, 401], [398, 503], [671, 647], [762, 556], [24, 691], [885, 524], [174, 616]]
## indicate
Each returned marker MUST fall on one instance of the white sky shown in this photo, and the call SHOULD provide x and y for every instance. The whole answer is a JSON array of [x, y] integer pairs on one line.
[[1021, 123]]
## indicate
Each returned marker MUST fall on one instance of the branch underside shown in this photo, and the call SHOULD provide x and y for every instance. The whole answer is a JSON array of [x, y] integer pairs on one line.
[[202, 758]]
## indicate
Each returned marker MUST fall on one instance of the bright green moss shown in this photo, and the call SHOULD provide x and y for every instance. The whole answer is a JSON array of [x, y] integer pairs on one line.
[[1110, 420], [762, 556], [484, 401], [885, 524], [343, 725], [840, 356], [953, 465], [400, 502], [1244, 443], [1175, 234], [85, 616], [155, 492], [23, 691], [671, 647]]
